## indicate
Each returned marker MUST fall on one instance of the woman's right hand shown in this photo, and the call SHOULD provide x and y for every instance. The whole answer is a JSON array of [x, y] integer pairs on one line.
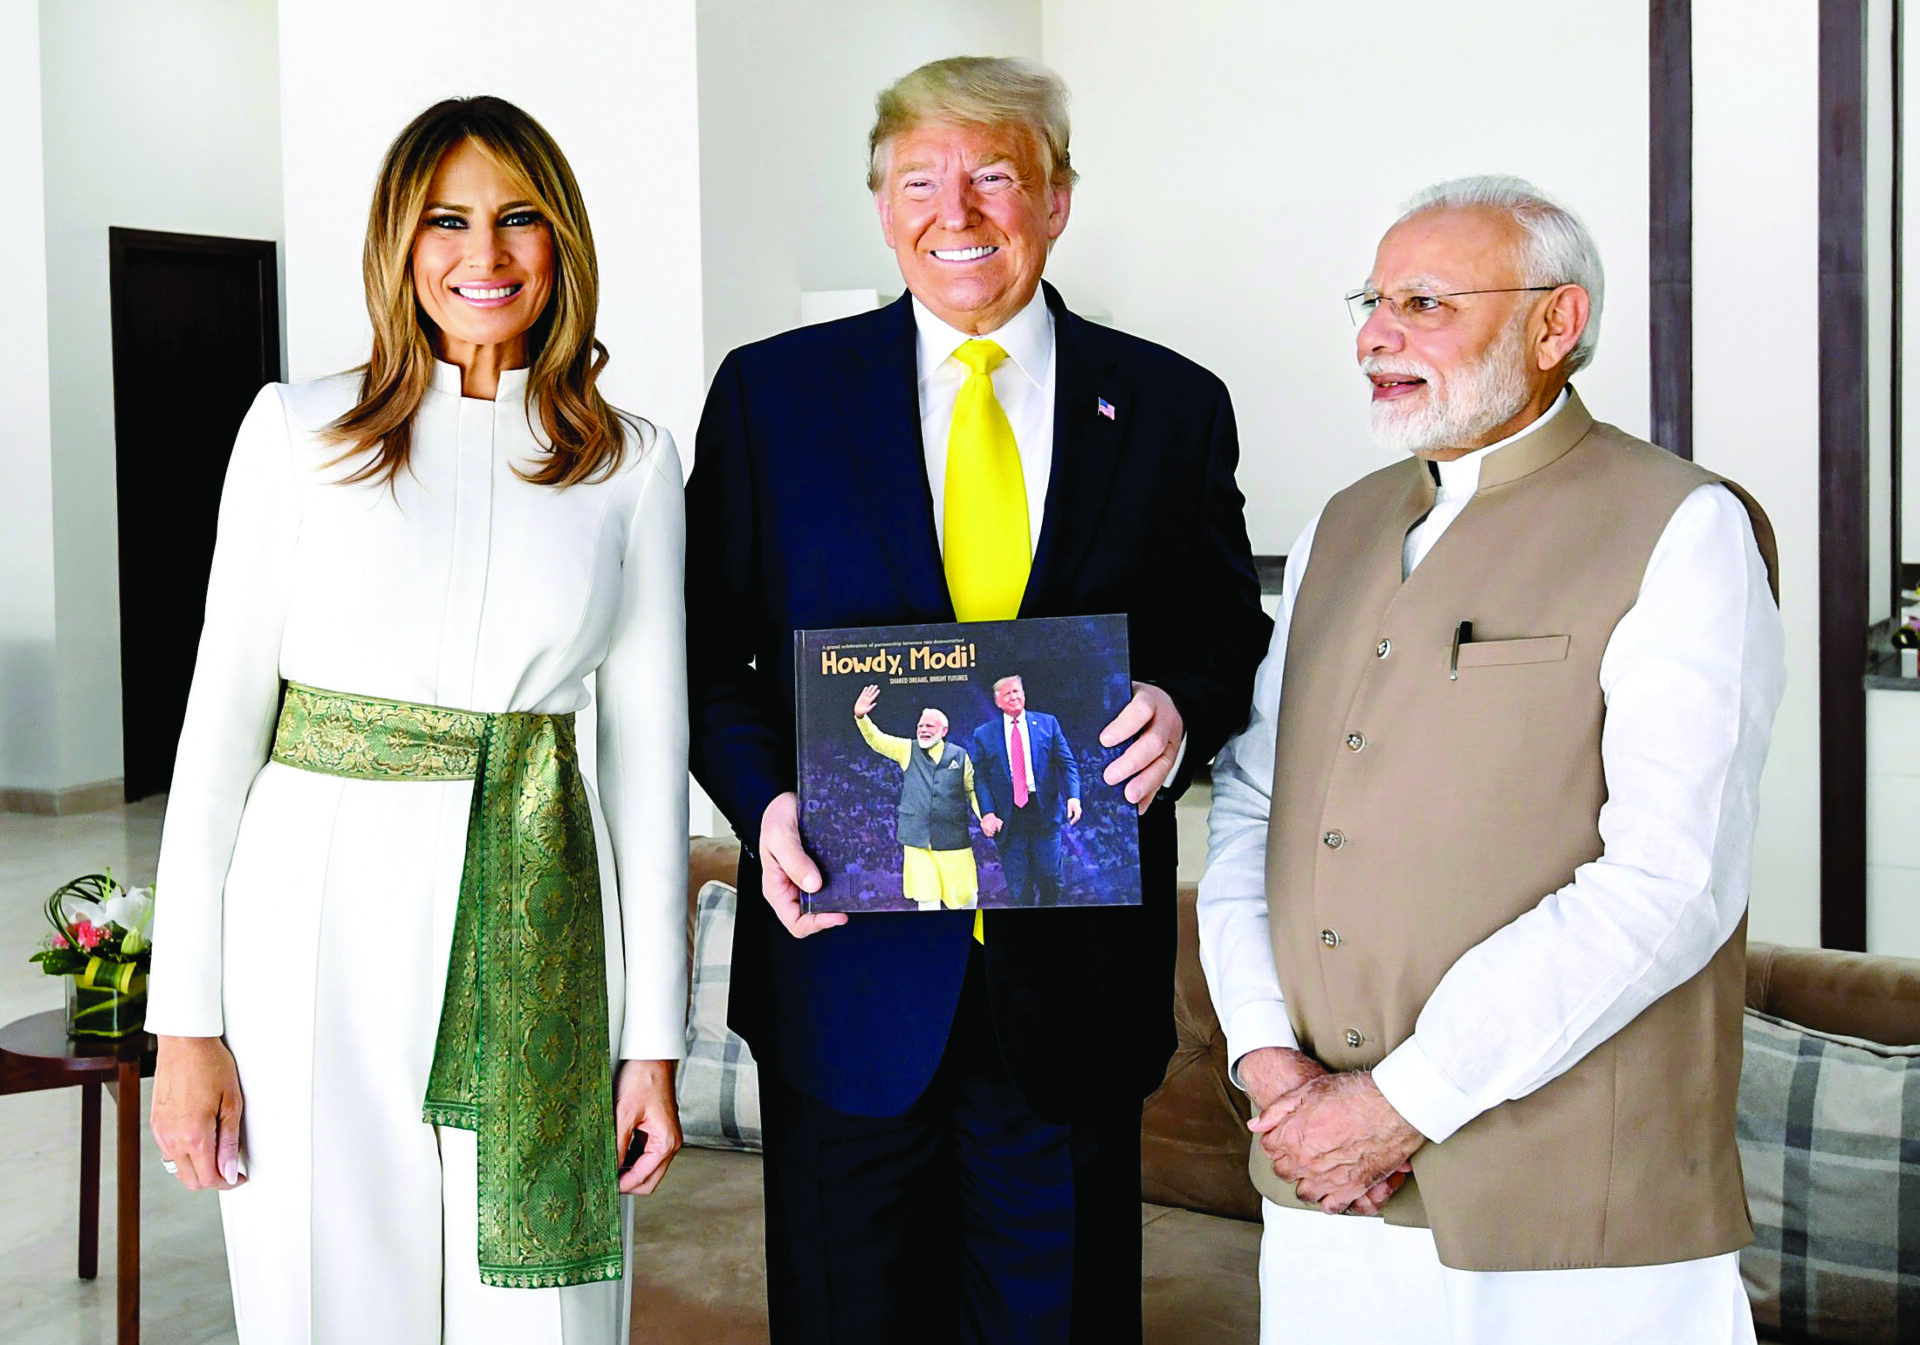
[[196, 1112]]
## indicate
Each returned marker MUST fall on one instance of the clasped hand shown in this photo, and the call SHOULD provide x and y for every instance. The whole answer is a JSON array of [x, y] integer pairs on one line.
[[1335, 1136]]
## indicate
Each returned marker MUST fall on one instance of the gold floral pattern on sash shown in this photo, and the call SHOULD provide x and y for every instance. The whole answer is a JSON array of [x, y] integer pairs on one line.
[[521, 1057]]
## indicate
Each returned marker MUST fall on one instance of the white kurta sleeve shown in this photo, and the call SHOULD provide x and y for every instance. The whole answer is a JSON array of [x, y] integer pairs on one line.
[[228, 730], [1236, 950], [1692, 676], [642, 690]]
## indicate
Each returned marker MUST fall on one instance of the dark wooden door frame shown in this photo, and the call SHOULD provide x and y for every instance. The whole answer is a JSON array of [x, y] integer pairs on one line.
[[263, 251], [1844, 448]]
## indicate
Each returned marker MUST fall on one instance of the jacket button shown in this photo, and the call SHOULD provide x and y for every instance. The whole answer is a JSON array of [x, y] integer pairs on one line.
[[1384, 648], [1356, 741], [1330, 937], [1333, 840], [1354, 1039]]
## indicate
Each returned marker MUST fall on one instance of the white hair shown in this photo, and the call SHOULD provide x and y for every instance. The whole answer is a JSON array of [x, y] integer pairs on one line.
[[931, 713], [1558, 249]]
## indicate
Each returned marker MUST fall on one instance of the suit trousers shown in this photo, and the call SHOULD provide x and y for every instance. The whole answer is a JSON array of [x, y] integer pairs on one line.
[[966, 1218], [1030, 856]]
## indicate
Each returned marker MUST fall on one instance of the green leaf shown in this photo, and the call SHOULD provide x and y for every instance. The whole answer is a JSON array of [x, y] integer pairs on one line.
[[60, 961]]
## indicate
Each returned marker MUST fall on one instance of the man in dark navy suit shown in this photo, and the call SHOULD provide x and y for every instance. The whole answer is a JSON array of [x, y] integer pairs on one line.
[[951, 1100], [1029, 787]]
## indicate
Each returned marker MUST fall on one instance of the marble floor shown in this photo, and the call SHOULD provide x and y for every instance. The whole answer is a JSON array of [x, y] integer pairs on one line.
[[183, 1264]]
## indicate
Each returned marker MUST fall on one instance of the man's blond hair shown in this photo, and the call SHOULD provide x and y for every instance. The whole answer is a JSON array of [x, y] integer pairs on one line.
[[976, 91]]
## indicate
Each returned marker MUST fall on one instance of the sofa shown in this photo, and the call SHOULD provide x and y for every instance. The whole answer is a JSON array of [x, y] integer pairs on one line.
[[698, 1273]]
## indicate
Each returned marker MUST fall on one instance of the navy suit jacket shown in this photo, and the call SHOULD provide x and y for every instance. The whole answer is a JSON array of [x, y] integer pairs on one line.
[[1056, 775], [808, 507]]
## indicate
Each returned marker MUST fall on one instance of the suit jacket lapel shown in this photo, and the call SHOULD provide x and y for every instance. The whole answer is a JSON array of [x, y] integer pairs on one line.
[[880, 404], [1086, 454]]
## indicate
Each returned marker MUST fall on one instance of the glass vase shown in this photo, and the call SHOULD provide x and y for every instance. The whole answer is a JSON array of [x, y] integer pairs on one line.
[[103, 1010]]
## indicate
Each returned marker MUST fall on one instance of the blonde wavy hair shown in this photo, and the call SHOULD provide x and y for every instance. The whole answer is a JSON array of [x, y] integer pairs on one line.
[[584, 434]]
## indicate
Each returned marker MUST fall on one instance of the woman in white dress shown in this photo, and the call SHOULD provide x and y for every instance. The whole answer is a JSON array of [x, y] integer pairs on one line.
[[391, 918]]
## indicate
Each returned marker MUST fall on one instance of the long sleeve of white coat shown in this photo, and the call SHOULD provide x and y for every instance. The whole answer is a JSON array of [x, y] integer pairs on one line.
[[641, 687], [228, 729]]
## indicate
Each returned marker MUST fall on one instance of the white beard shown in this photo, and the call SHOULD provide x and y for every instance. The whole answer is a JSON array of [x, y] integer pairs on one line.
[[1478, 398]]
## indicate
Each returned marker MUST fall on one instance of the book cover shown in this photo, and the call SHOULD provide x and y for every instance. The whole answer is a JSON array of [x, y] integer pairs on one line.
[[948, 766]]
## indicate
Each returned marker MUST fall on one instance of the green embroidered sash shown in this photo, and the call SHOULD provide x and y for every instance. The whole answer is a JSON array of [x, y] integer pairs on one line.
[[521, 1057]]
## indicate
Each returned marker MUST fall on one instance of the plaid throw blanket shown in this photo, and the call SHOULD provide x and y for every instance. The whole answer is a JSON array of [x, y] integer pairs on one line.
[[1829, 1132], [718, 1085]]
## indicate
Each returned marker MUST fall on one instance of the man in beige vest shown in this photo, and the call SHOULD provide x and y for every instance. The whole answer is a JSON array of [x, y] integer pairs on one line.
[[1474, 914]]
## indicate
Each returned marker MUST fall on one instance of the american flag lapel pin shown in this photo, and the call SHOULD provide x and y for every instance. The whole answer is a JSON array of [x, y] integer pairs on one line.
[[1105, 408]]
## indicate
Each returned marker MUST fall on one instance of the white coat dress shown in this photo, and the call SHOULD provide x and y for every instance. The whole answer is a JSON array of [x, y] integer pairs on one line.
[[308, 918]]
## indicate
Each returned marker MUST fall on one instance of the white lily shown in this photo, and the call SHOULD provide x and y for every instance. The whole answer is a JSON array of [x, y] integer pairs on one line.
[[133, 912], [77, 908]]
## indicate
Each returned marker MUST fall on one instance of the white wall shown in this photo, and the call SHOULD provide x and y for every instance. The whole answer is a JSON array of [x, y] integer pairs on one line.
[[153, 116], [1239, 163], [1893, 822], [1880, 306], [1910, 296], [1756, 376], [615, 85], [786, 101], [28, 752]]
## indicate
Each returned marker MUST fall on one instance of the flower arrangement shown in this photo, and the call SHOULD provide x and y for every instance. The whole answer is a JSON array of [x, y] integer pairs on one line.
[[100, 942]]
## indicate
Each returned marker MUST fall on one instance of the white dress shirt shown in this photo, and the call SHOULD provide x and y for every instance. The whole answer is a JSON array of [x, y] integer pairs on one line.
[[1023, 383], [1692, 676]]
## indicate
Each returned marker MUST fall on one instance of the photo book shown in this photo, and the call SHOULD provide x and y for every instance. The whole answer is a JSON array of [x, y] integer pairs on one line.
[[955, 766]]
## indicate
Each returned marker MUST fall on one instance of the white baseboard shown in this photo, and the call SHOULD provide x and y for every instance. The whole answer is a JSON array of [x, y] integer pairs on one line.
[[61, 802]]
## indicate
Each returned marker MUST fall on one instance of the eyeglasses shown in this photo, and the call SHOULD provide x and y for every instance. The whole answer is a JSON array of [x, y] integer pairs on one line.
[[1419, 308]]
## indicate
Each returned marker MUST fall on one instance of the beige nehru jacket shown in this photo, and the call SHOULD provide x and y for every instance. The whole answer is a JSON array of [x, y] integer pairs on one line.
[[1415, 812]]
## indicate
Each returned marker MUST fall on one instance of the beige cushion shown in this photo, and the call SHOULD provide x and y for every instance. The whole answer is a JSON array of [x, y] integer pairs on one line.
[[1855, 994]]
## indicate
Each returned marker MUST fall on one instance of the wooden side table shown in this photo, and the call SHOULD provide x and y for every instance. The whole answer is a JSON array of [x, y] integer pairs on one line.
[[36, 1053]]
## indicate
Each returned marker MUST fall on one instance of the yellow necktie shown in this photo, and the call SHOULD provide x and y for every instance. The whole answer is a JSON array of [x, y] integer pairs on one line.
[[986, 530], [987, 552]]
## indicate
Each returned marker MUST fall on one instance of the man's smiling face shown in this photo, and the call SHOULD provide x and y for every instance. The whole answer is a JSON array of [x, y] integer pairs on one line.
[[1449, 371], [930, 730], [969, 214]]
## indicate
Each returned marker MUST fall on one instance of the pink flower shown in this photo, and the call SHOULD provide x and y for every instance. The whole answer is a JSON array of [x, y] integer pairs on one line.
[[59, 941], [88, 934]]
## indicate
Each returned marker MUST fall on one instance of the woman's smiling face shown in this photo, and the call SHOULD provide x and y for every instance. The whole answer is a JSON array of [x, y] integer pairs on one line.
[[482, 260]]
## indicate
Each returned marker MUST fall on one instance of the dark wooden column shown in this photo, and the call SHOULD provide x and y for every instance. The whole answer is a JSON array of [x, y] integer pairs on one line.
[[1670, 221], [1843, 475]]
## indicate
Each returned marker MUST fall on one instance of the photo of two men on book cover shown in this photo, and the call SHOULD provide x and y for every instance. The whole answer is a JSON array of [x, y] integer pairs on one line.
[[951, 767]]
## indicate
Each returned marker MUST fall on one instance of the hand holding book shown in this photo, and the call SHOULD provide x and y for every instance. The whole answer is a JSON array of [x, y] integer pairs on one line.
[[1146, 765], [787, 872]]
